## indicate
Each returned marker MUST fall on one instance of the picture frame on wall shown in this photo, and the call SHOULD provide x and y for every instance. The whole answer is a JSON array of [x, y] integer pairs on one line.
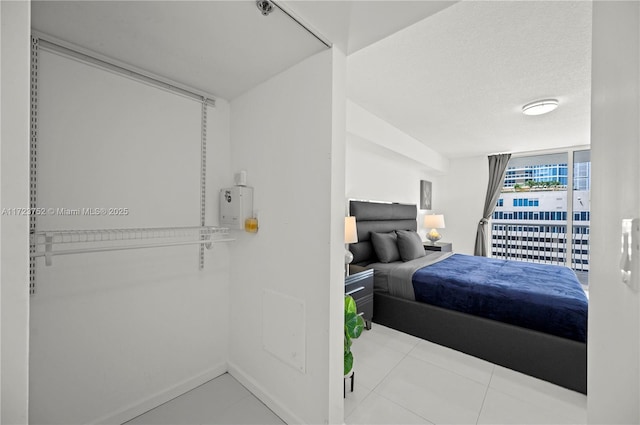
[[425, 195]]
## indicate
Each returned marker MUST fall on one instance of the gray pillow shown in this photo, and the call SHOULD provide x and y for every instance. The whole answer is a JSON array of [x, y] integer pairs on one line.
[[385, 246], [409, 245]]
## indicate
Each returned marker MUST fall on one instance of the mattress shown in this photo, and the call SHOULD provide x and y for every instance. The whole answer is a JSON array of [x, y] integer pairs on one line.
[[542, 297], [395, 277]]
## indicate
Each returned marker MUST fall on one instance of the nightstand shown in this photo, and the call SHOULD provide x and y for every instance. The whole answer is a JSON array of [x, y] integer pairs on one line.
[[438, 246], [360, 287]]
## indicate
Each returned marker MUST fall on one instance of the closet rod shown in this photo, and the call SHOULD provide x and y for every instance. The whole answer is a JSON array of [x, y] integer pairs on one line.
[[49, 43], [298, 21]]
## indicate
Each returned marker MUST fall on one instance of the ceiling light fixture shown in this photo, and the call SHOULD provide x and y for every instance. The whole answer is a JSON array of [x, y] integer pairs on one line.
[[540, 107]]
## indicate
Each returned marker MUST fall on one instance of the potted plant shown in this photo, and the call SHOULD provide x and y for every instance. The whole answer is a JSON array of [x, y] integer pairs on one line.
[[353, 326]]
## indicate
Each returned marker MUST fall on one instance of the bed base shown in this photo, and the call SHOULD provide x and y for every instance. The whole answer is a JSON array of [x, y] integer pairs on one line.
[[557, 360]]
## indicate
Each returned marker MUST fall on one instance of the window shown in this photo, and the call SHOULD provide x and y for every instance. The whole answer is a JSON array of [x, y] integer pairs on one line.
[[536, 192]]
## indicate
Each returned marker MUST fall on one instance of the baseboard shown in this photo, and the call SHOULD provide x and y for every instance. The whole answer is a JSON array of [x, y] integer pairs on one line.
[[144, 405], [257, 390]]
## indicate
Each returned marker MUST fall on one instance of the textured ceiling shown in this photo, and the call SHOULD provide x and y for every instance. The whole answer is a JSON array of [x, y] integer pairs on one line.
[[457, 80], [453, 75]]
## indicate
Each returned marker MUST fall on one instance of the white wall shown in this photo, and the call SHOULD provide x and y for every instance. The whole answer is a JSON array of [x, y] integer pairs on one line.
[[463, 192], [378, 174], [14, 230], [287, 279], [114, 334], [386, 164], [367, 126], [336, 293], [614, 309]]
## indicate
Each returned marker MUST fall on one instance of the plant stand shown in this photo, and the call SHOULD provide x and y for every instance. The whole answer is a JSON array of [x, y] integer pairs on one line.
[[351, 375]]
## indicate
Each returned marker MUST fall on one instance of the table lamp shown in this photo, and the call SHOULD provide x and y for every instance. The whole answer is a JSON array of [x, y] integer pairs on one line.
[[434, 221], [350, 236]]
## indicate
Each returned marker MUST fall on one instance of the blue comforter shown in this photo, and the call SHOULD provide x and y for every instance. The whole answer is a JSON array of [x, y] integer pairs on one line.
[[542, 297]]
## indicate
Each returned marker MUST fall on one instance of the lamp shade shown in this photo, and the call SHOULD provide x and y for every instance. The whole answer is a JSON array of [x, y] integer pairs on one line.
[[434, 221], [350, 230]]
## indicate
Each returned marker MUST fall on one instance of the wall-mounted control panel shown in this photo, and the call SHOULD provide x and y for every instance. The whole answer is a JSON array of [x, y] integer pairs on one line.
[[236, 205]]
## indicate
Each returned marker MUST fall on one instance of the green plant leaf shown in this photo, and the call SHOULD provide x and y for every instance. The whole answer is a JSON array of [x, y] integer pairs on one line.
[[353, 325], [359, 326], [348, 362], [349, 305]]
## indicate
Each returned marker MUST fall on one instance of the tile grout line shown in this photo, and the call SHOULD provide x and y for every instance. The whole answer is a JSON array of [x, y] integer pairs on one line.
[[382, 379], [390, 370], [356, 407], [388, 373], [485, 394], [516, 396], [455, 372], [541, 391], [385, 377], [396, 365], [446, 369], [404, 408]]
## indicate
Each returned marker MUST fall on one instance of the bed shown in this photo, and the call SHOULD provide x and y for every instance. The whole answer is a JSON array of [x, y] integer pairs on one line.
[[531, 319]]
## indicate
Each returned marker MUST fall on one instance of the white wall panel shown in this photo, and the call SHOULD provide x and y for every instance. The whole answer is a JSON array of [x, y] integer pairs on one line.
[[283, 136], [614, 308], [14, 229]]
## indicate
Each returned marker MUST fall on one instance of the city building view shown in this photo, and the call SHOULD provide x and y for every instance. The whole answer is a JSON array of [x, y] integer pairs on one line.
[[534, 220]]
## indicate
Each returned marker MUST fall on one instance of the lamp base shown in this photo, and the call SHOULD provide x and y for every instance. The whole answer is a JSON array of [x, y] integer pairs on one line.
[[434, 236], [348, 258]]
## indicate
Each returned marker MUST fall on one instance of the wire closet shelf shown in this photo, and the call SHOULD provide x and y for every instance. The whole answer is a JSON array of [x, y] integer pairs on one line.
[[67, 242]]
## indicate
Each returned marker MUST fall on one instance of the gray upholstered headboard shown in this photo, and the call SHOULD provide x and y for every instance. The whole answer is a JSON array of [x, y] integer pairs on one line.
[[378, 217]]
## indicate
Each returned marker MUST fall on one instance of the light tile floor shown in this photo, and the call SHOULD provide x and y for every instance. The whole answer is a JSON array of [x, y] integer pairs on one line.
[[403, 379], [400, 379], [220, 401]]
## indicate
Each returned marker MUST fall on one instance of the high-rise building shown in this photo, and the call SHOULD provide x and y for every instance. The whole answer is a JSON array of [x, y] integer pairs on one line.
[[530, 220], [539, 173]]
